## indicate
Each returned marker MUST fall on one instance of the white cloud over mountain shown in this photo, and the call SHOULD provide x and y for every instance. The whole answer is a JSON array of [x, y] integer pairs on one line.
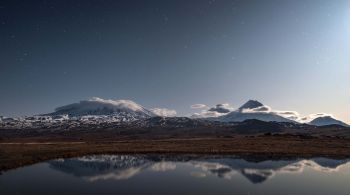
[[164, 112], [254, 107], [207, 114], [292, 115], [222, 108], [120, 103], [99, 106], [264, 109], [216, 111], [313, 116]]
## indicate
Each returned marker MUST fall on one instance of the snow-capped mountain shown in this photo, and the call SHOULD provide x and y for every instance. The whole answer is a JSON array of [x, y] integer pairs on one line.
[[98, 113], [94, 113], [327, 120], [251, 104], [98, 106], [253, 110]]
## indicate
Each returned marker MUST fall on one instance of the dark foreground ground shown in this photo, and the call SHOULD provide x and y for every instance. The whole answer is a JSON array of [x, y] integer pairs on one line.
[[20, 152]]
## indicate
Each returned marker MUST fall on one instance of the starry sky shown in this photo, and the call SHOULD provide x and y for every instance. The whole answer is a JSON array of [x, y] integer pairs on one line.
[[290, 55]]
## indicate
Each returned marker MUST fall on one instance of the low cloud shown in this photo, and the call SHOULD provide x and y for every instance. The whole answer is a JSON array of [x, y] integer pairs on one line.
[[207, 114], [216, 111], [221, 108], [320, 115], [292, 115], [164, 112], [265, 109], [288, 112], [317, 115], [99, 103], [198, 106]]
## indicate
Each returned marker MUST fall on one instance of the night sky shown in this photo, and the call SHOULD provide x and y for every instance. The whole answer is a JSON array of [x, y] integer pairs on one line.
[[291, 55]]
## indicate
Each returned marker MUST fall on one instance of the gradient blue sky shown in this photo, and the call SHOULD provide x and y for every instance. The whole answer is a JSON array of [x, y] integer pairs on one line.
[[291, 55]]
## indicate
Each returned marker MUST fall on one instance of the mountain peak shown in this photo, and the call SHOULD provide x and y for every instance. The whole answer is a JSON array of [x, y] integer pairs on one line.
[[327, 120], [99, 106], [251, 104]]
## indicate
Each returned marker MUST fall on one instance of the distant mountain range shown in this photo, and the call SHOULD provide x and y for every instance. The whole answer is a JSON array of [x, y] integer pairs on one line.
[[253, 109], [100, 113]]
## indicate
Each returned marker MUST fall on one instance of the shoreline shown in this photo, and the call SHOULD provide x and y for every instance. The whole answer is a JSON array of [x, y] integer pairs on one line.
[[26, 151]]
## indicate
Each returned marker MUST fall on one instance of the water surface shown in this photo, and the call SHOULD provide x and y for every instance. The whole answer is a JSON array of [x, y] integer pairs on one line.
[[182, 174]]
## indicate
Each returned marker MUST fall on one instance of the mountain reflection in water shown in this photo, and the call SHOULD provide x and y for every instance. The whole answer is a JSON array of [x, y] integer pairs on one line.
[[256, 170]]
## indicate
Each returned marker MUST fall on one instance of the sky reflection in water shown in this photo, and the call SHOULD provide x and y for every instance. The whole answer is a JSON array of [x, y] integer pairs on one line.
[[185, 174]]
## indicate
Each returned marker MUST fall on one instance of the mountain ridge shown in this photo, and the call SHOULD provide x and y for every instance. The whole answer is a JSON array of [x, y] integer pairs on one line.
[[97, 111]]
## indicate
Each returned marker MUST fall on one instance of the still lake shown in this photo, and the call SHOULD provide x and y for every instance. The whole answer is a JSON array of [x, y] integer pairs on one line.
[[179, 174]]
